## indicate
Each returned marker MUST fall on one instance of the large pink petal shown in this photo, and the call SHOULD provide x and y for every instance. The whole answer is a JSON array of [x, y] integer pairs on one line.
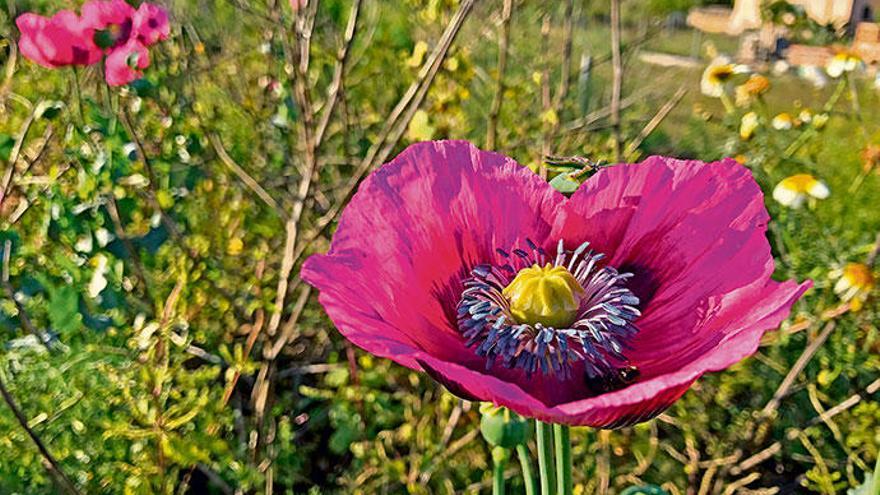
[[57, 41], [124, 63], [744, 320], [100, 14], [691, 233], [31, 27], [410, 235]]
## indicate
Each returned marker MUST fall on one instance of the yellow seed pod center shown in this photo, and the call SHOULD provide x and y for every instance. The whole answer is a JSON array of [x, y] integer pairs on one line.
[[549, 295]]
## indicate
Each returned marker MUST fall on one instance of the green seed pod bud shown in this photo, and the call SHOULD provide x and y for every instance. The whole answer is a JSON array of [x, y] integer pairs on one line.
[[502, 427]]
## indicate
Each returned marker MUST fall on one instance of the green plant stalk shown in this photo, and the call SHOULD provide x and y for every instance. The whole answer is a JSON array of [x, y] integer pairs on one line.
[[562, 439], [728, 105], [854, 96], [525, 462], [875, 481], [545, 457], [838, 91], [500, 455], [77, 95]]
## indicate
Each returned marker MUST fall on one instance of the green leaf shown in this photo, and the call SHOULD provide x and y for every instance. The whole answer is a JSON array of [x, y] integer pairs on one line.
[[871, 486], [565, 183], [7, 142], [64, 309]]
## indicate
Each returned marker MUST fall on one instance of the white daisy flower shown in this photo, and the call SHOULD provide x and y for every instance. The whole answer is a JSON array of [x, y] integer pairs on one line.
[[793, 191]]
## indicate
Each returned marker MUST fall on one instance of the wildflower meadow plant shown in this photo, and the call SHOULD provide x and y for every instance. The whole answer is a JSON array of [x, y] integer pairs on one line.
[[600, 309]]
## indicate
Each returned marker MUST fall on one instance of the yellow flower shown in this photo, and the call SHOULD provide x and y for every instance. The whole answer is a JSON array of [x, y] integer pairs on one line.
[[418, 54], [819, 120], [842, 62], [748, 125], [420, 128], [235, 246], [793, 191], [854, 284], [755, 86], [716, 76], [783, 122]]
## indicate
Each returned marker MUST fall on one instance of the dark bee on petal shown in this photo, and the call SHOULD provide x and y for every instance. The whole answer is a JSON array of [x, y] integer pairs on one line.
[[616, 379]]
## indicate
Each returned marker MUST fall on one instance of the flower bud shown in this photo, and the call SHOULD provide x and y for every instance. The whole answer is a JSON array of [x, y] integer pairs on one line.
[[502, 427]]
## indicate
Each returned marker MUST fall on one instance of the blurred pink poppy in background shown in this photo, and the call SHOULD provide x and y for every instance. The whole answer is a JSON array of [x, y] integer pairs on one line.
[[58, 41], [600, 309], [125, 33], [298, 4], [106, 27]]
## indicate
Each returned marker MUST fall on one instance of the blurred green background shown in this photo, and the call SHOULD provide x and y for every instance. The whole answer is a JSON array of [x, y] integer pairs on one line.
[[183, 355]]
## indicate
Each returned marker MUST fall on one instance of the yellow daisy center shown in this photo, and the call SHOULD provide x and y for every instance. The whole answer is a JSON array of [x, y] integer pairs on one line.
[[801, 183], [858, 275]]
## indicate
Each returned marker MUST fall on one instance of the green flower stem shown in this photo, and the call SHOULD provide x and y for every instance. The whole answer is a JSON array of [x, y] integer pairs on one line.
[[728, 105], [838, 91], [562, 436], [545, 457], [500, 455], [77, 96], [526, 464]]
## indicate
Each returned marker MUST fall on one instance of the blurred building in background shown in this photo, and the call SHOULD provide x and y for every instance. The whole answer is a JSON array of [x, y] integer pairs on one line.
[[745, 15]]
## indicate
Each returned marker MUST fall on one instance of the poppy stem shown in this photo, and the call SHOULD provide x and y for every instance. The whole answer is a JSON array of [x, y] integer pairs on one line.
[[500, 455], [545, 457], [562, 436], [526, 464], [77, 94]]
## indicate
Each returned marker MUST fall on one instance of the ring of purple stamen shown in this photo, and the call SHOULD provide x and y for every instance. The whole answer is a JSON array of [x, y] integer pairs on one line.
[[598, 337]]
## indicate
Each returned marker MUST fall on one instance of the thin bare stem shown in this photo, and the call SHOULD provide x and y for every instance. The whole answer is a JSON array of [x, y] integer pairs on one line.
[[655, 121], [152, 197], [16, 152], [546, 103], [503, 43], [49, 461], [6, 88], [342, 56], [113, 210], [396, 123], [10, 294], [565, 70], [248, 180], [796, 370], [617, 80]]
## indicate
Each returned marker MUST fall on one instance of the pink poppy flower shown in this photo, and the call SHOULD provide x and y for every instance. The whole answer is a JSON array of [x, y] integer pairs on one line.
[[125, 33], [125, 63], [57, 41], [298, 4], [600, 309], [151, 24]]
